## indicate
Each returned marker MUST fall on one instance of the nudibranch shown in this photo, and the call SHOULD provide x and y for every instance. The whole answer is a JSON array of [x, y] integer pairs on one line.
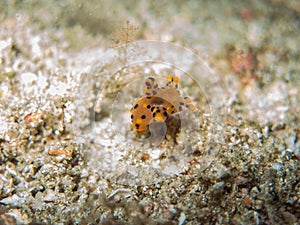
[[158, 104]]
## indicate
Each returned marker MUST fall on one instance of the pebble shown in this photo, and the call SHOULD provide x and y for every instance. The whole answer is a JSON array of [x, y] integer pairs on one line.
[[13, 200], [182, 219]]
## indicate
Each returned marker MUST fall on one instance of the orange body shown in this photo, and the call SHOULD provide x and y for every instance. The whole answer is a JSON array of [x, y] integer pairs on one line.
[[157, 104]]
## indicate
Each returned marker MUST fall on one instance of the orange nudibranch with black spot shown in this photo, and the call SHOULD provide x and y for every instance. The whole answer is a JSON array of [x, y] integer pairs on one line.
[[158, 103]]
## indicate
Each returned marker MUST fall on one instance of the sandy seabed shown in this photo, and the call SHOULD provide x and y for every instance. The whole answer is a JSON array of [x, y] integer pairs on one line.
[[70, 72]]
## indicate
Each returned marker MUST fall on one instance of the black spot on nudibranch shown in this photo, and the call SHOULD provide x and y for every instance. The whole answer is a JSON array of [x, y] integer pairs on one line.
[[148, 106], [137, 126], [143, 117], [136, 105]]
